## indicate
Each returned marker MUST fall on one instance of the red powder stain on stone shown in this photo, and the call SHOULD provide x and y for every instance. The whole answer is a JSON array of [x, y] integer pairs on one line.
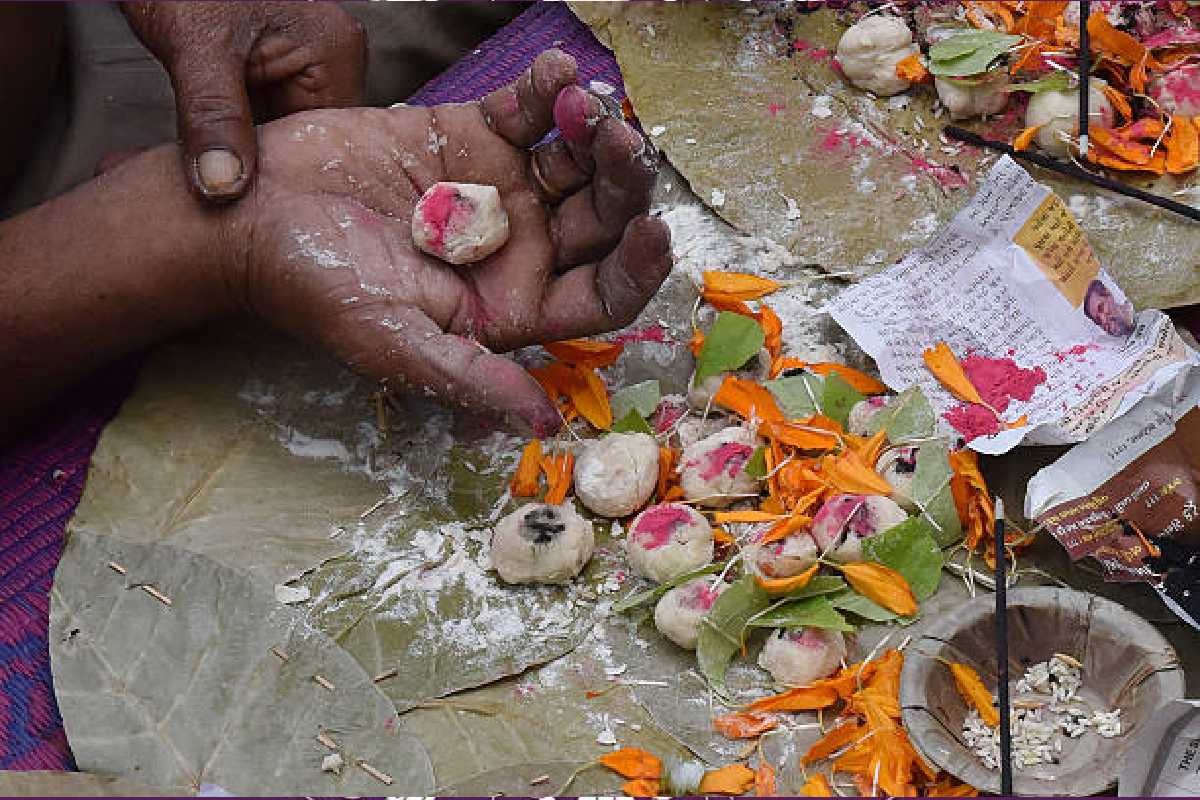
[[948, 177], [387, 726], [656, 525], [775, 108], [647, 333], [437, 209], [999, 381], [808, 48], [729, 457]]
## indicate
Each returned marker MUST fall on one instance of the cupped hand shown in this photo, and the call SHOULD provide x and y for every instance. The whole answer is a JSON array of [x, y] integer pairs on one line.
[[330, 255], [283, 56]]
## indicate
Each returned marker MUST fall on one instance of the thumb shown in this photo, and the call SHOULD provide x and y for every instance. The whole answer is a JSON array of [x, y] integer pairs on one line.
[[216, 126]]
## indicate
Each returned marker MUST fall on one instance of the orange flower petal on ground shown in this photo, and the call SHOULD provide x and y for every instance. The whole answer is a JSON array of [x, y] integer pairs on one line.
[[861, 381], [632, 762], [945, 367], [667, 456], [696, 343], [806, 698], [969, 685], [559, 471], [817, 786], [912, 70], [641, 787], [778, 586], [764, 780], [744, 724], [527, 480], [883, 585], [748, 516], [785, 528], [1125, 149], [948, 786], [772, 327], [585, 352], [842, 736], [805, 437], [738, 285], [1183, 146], [1025, 137], [1108, 39], [748, 400], [590, 397], [849, 474], [732, 780]]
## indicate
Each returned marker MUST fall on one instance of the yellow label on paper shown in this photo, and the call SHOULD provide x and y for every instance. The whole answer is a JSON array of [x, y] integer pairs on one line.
[[1054, 241]]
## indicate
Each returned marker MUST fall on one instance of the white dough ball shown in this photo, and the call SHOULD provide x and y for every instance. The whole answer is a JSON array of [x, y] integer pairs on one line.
[[693, 429], [869, 51], [899, 468], [799, 656], [964, 101], [1059, 113], [680, 611], [668, 540], [785, 558], [844, 520], [542, 543], [713, 470], [460, 222], [616, 474], [861, 414]]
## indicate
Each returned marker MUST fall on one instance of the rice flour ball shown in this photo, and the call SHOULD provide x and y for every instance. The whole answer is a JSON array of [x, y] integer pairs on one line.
[[616, 474], [785, 558], [869, 51], [844, 520], [542, 543], [680, 611], [668, 540], [713, 470], [460, 222], [861, 414], [799, 656], [898, 467]]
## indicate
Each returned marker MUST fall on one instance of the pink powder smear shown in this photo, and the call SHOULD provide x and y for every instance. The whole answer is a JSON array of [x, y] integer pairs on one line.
[[656, 525], [999, 381], [730, 456], [647, 333]]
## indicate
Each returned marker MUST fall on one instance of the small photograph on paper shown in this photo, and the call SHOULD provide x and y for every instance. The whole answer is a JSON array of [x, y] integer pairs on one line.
[[1106, 305]]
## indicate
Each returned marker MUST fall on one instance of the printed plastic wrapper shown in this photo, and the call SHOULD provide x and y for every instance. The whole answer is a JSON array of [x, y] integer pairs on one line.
[[1165, 759], [1042, 331], [1129, 497]]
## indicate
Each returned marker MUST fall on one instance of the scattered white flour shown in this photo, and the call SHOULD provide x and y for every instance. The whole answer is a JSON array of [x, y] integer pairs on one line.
[[822, 106], [717, 199], [657, 130]]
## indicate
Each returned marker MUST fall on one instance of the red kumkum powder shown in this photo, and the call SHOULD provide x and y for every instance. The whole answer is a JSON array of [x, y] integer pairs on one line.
[[999, 381], [657, 524]]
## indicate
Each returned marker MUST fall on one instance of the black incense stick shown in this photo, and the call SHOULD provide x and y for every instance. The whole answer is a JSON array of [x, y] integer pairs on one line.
[[1002, 656], [1085, 66], [1068, 168]]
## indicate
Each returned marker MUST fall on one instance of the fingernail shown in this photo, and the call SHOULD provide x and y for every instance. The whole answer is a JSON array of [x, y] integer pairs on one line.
[[576, 113], [219, 171]]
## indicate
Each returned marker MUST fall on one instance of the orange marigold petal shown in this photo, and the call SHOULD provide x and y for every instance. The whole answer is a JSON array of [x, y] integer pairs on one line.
[[778, 586], [732, 780], [969, 685], [861, 381], [842, 736], [748, 400], [527, 480], [1025, 137], [585, 352], [912, 70], [632, 762], [738, 285], [641, 787], [744, 724], [806, 698], [590, 397], [1183, 146], [883, 585], [764, 780], [941, 361], [817, 786]]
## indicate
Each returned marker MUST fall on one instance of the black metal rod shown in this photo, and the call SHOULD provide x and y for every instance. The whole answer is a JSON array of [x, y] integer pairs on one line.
[[1085, 66], [1002, 656], [1067, 168]]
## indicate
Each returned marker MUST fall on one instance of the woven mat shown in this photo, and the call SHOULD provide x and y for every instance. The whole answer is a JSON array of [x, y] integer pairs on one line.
[[42, 477]]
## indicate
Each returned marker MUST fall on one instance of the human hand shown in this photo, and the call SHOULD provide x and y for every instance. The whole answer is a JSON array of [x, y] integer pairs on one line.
[[329, 256], [285, 57]]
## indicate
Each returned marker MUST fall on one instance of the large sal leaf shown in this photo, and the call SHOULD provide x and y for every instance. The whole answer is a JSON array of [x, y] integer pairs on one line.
[[732, 340], [906, 416], [931, 491], [50, 783], [909, 549], [798, 396], [813, 612], [721, 629], [838, 398], [640, 397], [191, 693], [969, 53]]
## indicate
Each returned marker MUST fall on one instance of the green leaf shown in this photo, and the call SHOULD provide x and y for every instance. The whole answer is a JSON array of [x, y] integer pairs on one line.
[[721, 629], [756, 467], [906, 416], [838, 398], [631, 423], [820, 584], [798, 396], [815, 612], [1054, 82], [969, 43], [975, 63], [909, 549], [640, 397], [854, 603], [931, 492], [653, 595], [732, 341]]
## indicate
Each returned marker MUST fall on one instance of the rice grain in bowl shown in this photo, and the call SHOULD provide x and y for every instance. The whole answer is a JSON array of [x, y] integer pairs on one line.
[[1126, 665]]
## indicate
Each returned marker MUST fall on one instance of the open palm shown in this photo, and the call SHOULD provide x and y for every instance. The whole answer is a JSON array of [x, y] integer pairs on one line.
[[331, 255]]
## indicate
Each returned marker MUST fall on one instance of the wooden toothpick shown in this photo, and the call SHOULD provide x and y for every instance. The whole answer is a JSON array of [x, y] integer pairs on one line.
[[383, 676], [115, 567], [376, 774], [282, 655], [325, 740], [156, 594], [324, 683]]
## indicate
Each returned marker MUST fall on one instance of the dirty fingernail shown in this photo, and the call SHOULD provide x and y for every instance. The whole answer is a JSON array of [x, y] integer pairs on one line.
[[576, 113], [219, 171]]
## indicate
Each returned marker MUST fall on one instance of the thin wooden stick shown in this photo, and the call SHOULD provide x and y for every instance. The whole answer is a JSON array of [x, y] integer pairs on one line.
[[115, 567], [156, 594], [324, 683], [376, 774], [282, 655], [1073, 171], [1002, 656], [325, 740], [383, 676]]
